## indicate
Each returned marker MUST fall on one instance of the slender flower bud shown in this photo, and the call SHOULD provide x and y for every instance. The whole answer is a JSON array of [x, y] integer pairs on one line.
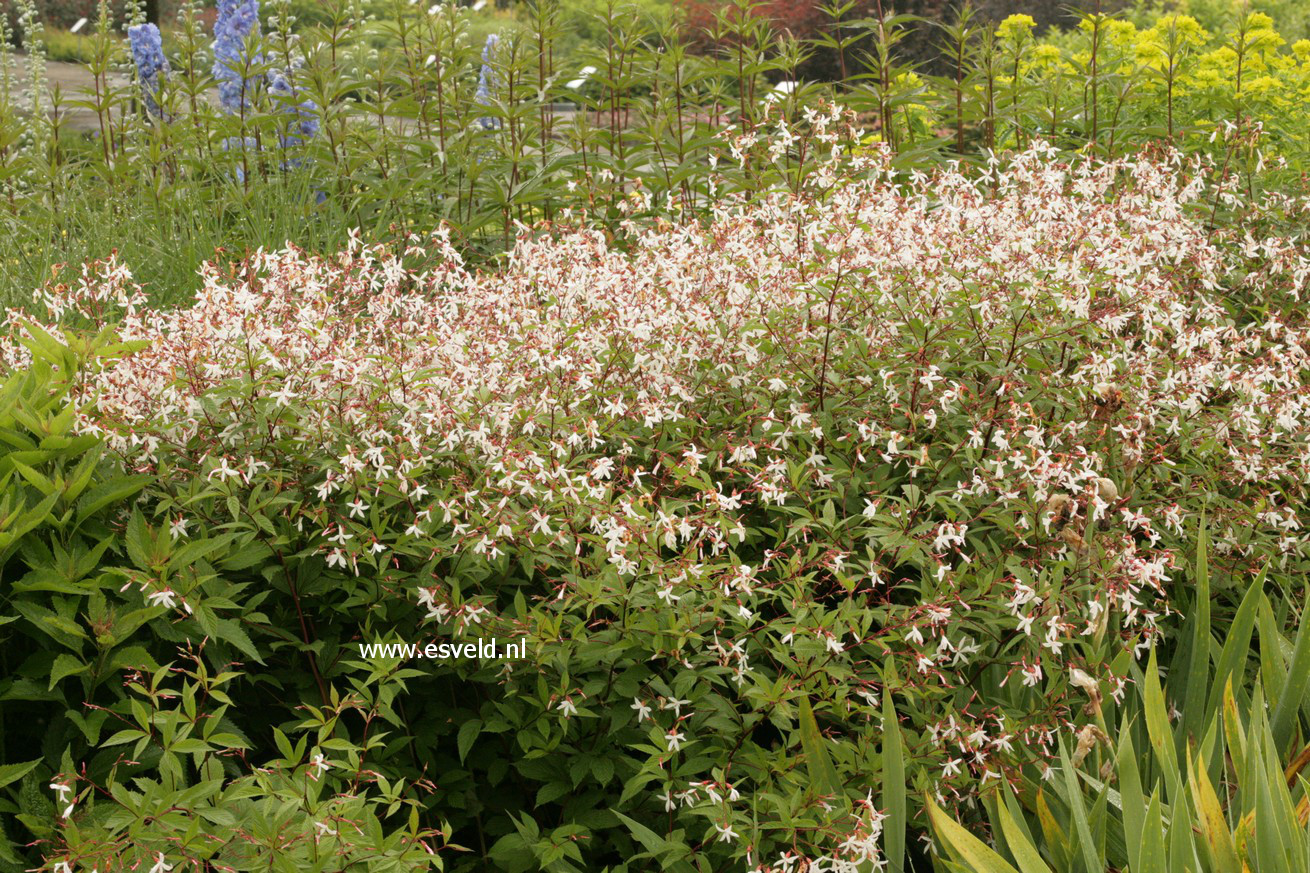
[[487, 80]]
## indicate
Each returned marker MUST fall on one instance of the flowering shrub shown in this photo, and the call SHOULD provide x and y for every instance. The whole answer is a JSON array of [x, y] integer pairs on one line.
[[842, 473]]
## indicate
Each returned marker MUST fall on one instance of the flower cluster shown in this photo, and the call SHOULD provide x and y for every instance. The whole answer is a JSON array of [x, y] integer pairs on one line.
[[940, 440], [237, 68], [305, 111], [235, 27], [151, 65]]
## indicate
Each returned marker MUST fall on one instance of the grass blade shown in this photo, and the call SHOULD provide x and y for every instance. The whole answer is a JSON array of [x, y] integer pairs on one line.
[[893, 786], [1293, 690], [1198, 668], [1078, 810], [1237, 646]]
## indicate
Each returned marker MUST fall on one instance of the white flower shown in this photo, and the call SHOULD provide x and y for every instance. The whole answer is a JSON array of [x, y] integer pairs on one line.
[[674, 704], [320, 765], [675, 740], [166, 598], [161, 866], [726, 833], [643, 711], [63, 791], [566, 706], [178, 527]]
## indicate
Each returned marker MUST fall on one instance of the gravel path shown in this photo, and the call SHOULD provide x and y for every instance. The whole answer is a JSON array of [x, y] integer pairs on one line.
[[74, 82]]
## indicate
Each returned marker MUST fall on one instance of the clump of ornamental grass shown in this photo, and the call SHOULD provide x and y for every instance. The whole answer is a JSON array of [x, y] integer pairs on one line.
[[829, 481]]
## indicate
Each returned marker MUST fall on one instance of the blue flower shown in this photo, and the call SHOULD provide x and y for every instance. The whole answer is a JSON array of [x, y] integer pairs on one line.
[[151, 65], [236, 25], [487, 80], [306, 111]]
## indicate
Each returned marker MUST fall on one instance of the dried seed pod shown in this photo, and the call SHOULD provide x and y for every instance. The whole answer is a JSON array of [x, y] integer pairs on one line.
[[1060, 507], [1108, 399], [1088, 737], [1107, 490], [1073, 539]]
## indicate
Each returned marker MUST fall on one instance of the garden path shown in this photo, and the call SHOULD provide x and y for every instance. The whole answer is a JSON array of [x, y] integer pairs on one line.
[[74, 82]]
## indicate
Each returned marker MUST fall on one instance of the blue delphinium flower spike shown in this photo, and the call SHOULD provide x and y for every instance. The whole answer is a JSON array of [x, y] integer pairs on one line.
[[487, 81], [306, 111], [151, 65], [237, 23]]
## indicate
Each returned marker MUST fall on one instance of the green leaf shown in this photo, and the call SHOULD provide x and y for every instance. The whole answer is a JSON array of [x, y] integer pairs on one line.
[[1234, 738], [650, 841], [138, 541], [1272, 666], [975, 854], [818, 763], [13, 772], [1079, 812], [1057, 842], [232, 632], [1198, 670], [39, 482], [107, 493], [247, 556], [1152, 853], [893, 785], [1157, 717], [1237, 645], [194, 550], [1132, 800], [1030, 860], [1293, 690], [65, 665], [1214, 827], [468, 733], [82, 474]]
